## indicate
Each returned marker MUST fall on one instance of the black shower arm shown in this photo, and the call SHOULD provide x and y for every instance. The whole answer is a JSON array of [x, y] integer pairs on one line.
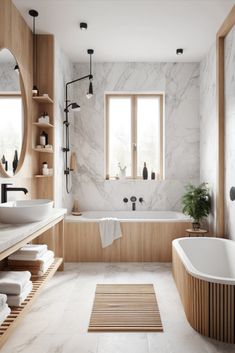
[[73, 81]]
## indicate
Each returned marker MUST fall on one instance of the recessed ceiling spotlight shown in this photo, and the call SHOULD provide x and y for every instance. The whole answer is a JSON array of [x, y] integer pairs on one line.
[[83, 26], [179, 51]]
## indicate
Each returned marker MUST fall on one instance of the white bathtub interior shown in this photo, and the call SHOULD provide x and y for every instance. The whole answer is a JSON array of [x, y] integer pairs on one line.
[[211, 259]]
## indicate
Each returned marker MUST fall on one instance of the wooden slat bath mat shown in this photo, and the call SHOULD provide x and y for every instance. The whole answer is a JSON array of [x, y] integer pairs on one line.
[[125, 307]]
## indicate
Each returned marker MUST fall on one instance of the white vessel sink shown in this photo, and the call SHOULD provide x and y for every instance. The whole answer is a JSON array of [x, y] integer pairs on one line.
[[25, 211]]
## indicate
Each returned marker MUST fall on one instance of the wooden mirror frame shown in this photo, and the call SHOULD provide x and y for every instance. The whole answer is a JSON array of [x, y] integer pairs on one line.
[[220, 103], [3, 173]]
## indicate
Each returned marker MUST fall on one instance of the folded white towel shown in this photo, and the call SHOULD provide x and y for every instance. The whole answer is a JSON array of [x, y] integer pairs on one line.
[[46, 257], [110, 230], [29, 252], [43, 268], [12, 282], [5, 311], [3, 300], [16, 300]]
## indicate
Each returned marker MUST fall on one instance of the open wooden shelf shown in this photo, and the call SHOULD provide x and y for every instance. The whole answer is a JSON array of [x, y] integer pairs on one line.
[[44, 125], [43, 176], [42, 99], [43, 150], [17, 313]]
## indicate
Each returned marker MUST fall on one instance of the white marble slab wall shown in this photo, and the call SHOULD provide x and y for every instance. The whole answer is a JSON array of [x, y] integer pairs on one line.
[[63, 73], [9, 78], [180, 82], [208, 125], [230, 131]]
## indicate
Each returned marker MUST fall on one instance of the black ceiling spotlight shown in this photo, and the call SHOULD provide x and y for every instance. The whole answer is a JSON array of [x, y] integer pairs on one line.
[[75, 107], [83, 26], [179, 51], [34, 14], [90, 90]]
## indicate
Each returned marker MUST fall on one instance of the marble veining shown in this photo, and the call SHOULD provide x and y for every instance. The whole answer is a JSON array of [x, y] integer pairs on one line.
[[58, 321], [9, 78], [180, 82], [63, 74]]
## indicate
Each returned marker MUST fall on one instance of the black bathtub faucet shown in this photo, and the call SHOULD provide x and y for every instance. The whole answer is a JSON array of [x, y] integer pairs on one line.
[[133, 200]]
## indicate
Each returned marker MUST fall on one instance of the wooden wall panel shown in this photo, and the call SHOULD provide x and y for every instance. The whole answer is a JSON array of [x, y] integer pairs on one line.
[[17, 37], [227, 25]]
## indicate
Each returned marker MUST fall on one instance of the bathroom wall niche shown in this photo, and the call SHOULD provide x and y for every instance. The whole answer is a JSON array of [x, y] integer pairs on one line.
[[12, 115]]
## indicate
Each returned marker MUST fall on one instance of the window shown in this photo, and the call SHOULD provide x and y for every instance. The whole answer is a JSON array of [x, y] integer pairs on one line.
[[134, 124]]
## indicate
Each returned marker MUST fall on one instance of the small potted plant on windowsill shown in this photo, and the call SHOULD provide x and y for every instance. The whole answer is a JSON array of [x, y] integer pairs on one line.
[[196, 203]]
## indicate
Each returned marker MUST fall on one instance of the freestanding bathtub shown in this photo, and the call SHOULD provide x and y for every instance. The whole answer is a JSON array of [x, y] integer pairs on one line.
[[146, 236], [204, 272]]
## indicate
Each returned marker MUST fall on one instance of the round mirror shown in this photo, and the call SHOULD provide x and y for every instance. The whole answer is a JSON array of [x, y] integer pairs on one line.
[[12, 115]]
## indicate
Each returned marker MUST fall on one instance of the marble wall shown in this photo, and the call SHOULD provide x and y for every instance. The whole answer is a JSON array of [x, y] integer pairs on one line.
[[9, 78], [230, 131], [63, 73], [180, 82], [208, 125]]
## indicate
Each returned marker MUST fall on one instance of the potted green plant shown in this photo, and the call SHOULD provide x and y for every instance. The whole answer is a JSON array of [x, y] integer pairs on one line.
[[196, 203]]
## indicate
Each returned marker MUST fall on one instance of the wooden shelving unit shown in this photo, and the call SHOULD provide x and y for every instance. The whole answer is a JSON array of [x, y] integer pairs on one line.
[[44, 125], [43, 150], [43, 176], [45, 84], [42, 99], [17, 313]]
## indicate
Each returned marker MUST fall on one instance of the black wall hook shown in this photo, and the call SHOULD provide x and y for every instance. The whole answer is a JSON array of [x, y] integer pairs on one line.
[[232, 193]]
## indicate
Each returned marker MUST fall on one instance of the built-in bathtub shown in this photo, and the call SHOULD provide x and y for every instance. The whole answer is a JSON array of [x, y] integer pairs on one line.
[[204, 272], [130, 216], [146, 236]]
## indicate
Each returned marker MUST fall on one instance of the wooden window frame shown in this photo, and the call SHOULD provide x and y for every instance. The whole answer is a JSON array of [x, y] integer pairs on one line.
[[226, 27], [133, 97]]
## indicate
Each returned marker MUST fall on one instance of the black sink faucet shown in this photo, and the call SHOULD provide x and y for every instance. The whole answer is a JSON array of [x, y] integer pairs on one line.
[[5, 189]]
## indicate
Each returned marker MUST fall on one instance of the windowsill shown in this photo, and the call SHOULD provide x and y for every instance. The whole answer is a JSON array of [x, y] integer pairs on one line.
[[134, 180]]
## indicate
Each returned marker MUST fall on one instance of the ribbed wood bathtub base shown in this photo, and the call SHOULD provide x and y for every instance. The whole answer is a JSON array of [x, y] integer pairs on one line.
[[209, 307]]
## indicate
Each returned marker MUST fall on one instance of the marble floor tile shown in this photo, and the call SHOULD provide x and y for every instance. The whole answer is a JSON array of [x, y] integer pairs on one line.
[[123, 342], [63, 343], [58, 320]]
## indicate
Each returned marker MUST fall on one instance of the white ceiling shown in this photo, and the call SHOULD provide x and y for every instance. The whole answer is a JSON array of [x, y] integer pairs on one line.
[[130, 30]]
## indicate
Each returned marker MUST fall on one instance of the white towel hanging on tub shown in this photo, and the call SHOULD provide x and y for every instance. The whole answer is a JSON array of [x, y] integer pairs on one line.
[[110, 230]]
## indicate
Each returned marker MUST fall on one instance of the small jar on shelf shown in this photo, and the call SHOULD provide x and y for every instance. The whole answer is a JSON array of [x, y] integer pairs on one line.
[[45, 169], [43, 139]]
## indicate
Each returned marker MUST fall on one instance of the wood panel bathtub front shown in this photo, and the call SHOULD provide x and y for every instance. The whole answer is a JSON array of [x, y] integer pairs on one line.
[[141, 241]]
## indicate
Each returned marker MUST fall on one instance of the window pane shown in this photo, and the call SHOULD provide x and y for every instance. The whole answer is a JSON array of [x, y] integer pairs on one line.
[[148, 134], [119, 135]]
